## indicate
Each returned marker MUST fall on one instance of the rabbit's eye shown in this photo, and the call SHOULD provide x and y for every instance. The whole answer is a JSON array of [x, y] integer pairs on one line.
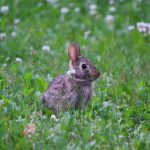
[[84, 66]]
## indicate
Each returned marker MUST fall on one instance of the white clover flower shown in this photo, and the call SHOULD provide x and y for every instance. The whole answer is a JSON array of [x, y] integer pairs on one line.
[[39, 4], [2, 36], [98, 57], [92, 12], [64, 10], [19, 60], [16, 21], [46, 48], [87, 33], [92, 9], [53, 117], [112, 9], [4, 65], [14, 34], [38, 93], [120, 136], [111, 2], [106, 104], [131, 27], [49, 78], [52, 1], [43, 116], [1, 101], [77, 9], [143, 27], [4, 9], [92, 143], [7, 59], [109, 19], [71, 72]]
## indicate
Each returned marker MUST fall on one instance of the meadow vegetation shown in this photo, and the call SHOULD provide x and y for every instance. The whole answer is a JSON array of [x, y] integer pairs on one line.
[[114, 35]]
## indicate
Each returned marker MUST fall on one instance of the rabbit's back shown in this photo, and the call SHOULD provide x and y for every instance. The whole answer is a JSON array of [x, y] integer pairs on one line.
[[64, 92]]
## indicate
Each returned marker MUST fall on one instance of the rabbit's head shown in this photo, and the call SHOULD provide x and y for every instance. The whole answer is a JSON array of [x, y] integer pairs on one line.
[[83, 68]]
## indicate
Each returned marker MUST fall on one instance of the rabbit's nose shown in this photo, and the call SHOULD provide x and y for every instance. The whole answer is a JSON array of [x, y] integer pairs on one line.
[[95, 74]]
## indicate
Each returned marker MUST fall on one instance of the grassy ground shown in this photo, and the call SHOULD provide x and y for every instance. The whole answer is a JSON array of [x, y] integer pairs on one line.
[[119, 114]]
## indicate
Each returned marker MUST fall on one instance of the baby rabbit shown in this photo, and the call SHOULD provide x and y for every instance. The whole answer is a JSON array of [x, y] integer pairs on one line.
[[74, 89]]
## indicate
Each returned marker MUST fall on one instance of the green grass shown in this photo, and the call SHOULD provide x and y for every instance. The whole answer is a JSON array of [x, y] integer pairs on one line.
[[122, 56]]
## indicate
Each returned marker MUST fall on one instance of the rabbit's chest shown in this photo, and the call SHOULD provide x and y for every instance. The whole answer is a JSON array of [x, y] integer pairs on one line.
[[85, 94]]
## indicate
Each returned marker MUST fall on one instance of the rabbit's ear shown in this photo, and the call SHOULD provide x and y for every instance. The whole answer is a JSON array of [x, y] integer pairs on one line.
[[73, 52]]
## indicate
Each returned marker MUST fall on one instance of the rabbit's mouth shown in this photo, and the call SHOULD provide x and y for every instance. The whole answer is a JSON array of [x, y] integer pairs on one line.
[[95, 75]]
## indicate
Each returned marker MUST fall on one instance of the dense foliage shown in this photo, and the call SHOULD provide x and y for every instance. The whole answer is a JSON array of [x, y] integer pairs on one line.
[[34, 35]]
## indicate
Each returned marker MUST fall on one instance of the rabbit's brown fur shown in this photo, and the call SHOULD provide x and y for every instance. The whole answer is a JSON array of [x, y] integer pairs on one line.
[[74, 90]]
